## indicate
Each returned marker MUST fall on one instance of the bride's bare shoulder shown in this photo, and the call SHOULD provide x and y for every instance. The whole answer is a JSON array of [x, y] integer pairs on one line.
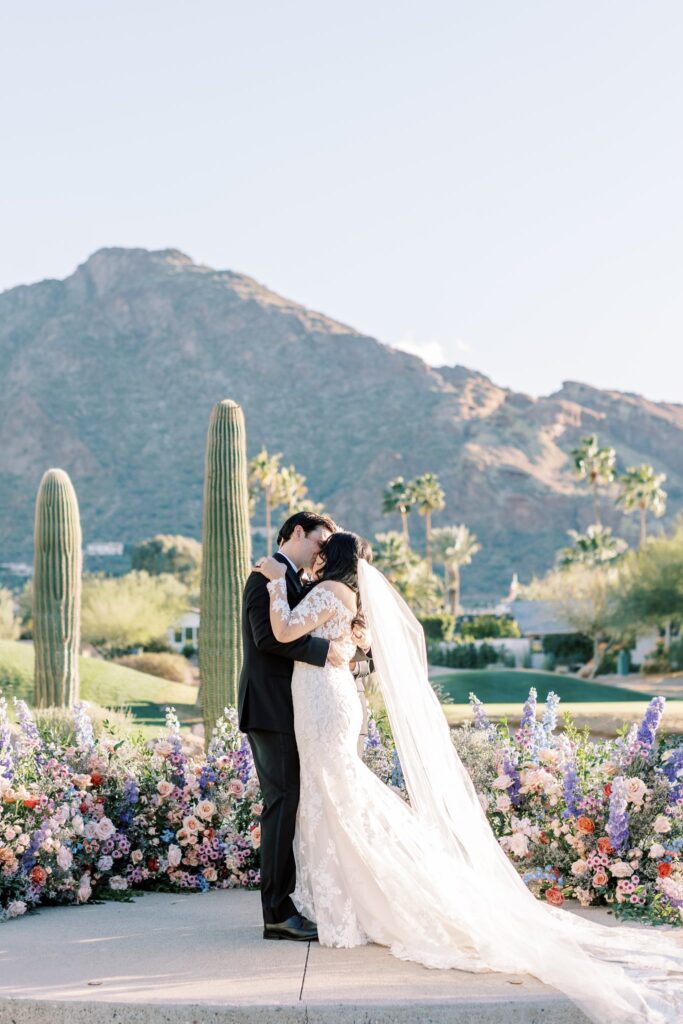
[[340, 590]]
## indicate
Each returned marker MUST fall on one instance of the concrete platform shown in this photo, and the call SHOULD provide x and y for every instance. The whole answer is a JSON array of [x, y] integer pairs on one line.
[[201, 959]]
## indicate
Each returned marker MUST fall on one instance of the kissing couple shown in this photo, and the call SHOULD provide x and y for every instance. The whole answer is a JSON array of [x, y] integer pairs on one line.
[[344, 859]]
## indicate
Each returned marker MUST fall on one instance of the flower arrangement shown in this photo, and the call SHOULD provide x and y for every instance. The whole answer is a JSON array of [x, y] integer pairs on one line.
[[106, 816], [596, 821]]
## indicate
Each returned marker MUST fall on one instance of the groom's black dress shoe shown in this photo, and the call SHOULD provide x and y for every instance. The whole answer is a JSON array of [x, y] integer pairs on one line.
[[296, 927]]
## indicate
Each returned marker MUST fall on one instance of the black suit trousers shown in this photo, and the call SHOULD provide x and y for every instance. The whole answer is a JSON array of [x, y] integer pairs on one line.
[[277, 765]]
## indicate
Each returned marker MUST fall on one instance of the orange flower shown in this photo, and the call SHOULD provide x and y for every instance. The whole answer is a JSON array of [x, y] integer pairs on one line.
[[604, 845], [31, 803], [664, 869], [607, 789], [96, 779], [38, 875], [585, 825], [554, 896], [543, 838]]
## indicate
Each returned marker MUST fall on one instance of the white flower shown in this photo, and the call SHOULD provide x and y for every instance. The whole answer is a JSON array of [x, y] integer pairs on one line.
[[580, 867], [64, 858], [205, 809], [657, 850], [105, 828], [136, 856], [503, 802], [661, 824], [165, 788], [117, 882], [620, 869], [163, 748], [502, 782], [16, 908], [77, 824], [635, 790], [174, 856], [105, 863], [191, 823], [517, 843]]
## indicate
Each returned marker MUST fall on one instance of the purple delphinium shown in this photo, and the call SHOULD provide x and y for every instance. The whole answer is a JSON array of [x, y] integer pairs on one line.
[[526, 734], [6, 758], [30, 737], [481, 720], [672, 769], [549, 720], [85, 737], [373, 740], [509, 769], [571, 788], [617, 823], [650, 723]]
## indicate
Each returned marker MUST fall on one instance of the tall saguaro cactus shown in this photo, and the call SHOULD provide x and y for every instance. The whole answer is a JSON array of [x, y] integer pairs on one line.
[[56, 591], [226, 554]]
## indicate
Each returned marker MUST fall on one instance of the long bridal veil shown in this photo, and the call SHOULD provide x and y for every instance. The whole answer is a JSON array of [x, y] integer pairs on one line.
[[618, 974]]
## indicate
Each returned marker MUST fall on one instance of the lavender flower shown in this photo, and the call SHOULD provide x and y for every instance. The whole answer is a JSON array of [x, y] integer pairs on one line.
[[549, 721], [373, 740], [526, 734], [85, 737], [510, 770], [481, 720], [30, 737], [571, 788], [650, 723], [617, 824], [6, 758]]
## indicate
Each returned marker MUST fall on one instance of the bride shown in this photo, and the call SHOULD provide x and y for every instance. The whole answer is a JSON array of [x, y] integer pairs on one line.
[[429, 879]]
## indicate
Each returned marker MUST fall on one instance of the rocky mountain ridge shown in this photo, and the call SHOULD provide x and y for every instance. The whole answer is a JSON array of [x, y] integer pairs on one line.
[[111, 374]]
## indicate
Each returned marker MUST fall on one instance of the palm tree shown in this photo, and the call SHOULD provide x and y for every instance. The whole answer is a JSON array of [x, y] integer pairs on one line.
[[399, 497], [429, 497], [409, 573], [264, 475], [453, 547], [641, 490], [594, 547], [595, 465], [290, 489]]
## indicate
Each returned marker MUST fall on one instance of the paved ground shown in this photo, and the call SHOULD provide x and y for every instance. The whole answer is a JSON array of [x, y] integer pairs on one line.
[[200, 959]]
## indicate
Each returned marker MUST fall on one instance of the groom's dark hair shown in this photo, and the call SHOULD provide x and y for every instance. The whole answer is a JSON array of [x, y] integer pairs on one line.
[[309, 521]]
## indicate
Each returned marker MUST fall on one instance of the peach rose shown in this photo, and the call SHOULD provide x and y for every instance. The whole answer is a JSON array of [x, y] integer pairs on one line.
[[554, 896], [604, 845], [600, 877], [585, 825], [661, 824], [165, 788]]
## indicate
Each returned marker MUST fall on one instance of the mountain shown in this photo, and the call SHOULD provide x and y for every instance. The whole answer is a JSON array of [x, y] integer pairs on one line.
[[111, 374]]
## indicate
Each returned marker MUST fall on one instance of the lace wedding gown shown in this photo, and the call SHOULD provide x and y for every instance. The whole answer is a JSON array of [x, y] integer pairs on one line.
[[372, 869]]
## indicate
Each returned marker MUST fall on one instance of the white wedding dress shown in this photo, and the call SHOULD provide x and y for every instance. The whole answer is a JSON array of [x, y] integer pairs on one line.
[[429, 880]]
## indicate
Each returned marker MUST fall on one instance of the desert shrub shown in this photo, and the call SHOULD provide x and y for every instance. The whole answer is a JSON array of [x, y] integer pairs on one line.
[[167, 666]]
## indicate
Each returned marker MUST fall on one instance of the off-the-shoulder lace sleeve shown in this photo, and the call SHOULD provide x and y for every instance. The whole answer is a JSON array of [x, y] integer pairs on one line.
[[317, 607]]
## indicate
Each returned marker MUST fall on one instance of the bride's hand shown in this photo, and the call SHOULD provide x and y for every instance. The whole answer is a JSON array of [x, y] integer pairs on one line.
[[271, 568]]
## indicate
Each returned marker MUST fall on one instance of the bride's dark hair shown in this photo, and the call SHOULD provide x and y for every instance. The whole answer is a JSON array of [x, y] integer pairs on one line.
[[340, 554]]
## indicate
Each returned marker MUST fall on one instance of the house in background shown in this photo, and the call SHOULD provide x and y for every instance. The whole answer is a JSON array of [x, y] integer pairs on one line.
[[185, 631], [537, 619]]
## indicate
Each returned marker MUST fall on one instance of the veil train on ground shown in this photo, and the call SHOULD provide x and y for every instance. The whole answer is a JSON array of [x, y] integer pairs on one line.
[[618, 974]]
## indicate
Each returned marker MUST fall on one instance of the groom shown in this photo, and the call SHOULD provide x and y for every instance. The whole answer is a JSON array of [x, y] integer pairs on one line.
[[266, 715]]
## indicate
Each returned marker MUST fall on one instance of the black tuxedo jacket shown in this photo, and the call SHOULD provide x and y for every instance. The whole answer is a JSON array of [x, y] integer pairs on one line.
[[265, 692]]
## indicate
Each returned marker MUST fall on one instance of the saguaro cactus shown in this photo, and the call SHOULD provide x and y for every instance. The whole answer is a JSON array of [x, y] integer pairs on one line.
[[56, 591], [226, 554]]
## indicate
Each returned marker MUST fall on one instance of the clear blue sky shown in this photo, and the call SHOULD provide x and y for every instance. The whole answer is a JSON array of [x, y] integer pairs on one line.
[[492, 183]]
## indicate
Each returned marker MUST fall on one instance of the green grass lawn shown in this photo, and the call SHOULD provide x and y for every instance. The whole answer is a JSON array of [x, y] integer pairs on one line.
[[511, 686], [106, 684]]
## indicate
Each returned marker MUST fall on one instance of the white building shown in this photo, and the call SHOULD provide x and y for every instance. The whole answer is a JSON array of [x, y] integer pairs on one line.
[[185, 631]]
